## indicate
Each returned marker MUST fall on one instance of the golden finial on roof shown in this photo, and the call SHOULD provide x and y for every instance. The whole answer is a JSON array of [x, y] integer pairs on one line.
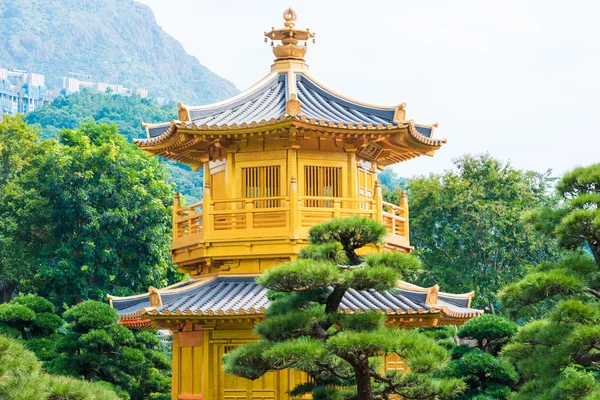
[[290, 47]]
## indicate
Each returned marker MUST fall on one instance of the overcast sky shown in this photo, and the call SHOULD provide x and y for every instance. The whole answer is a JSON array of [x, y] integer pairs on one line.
[[518, 79]]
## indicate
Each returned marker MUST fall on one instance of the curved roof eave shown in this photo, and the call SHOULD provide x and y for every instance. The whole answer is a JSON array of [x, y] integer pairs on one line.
[[265, 80], [266, 101], [346, 98], [174, 126], [240, 295]]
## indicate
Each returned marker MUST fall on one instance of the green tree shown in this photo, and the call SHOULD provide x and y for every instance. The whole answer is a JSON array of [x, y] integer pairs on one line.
[[392, 185], [487, 375], [93, 214], [29, 317], [466, 225], [557, 355], [21, 378], [127, 113], [95, 347], [305, 331], [19, 143]]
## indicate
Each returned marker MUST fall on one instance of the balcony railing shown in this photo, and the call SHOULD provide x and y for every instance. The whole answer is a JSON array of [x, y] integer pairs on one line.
[[282, 216]]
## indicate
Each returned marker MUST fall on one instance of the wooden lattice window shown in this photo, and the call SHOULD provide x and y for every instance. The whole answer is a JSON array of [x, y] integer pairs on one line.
[[261, 182], [365, 184], [322, 182]]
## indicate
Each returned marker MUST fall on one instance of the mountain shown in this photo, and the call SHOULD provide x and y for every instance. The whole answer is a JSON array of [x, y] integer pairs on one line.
[[112, 40]]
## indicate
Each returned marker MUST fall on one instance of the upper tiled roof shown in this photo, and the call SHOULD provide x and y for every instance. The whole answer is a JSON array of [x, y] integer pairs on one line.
[[267, 100], [241, 295], [321, 104]]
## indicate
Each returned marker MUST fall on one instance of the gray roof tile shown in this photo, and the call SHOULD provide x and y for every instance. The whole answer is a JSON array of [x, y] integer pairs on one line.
[[244, 295], [267, 101]]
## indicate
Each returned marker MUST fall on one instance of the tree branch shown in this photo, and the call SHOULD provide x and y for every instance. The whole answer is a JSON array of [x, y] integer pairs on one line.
[[588, 359], [380, 378], [333, 371], [593, 292]]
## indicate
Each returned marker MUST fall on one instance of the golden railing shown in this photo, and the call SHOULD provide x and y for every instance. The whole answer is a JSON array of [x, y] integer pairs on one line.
[[395, 219], [280, 216]]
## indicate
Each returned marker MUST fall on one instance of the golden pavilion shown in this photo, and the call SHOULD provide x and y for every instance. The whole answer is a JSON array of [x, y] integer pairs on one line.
[[284, 155]]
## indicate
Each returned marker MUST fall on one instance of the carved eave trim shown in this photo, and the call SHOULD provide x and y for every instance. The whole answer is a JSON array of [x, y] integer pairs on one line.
[[402, 141], [152, 314], [349, 99], [275, 123]]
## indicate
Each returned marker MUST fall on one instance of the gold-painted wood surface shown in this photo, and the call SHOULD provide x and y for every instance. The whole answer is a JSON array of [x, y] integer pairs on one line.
[[267, 183]]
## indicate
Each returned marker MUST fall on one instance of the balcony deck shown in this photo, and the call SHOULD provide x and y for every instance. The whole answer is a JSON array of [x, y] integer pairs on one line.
[[271, 221]]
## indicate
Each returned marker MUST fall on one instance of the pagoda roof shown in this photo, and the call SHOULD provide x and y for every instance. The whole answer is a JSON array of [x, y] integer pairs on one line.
[[266, 101], [241, 295], [291, 103]]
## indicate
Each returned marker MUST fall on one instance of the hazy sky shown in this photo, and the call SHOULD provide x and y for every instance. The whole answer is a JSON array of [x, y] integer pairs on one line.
[[518, 79]]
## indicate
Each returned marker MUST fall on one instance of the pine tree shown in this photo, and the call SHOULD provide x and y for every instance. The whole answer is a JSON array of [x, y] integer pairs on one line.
[[96, 348], [341, 352], [22, 377], [558, 357], [488, 376]]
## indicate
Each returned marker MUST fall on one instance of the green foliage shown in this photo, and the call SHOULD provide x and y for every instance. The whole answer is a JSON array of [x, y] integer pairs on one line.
[[557, 355], [90, 215], [490, 331], [97, 349], [35, 303], [21, 379], [392, 185], [90, 315], [31, 316], [575, 222], [351, 233], [548, 280], [439, 332], [300, 275], [404, 264], [127, 113], [331, 251], [485, 374], [305, 331], [390, 179], [15, 361], [466, 225], [19, 144]]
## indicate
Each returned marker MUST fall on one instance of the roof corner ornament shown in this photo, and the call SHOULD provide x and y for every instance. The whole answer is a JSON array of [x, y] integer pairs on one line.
[[183, 114], [292, 106], [400, 113], [432, 295], [154, 296], [290, 47]]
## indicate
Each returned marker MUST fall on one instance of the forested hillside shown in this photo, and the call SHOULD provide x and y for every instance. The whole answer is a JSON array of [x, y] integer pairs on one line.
[[112, 40], [127, 113]]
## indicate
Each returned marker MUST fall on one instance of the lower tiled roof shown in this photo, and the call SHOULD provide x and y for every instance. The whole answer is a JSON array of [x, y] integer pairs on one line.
[[226, 295]]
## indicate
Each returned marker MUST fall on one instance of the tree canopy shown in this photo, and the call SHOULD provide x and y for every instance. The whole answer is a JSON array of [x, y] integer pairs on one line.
[[558, 355], [21, 377], [89, 344], [305, 331], [19, 144], [95, 347], [88, 215], [467, 226], [127, 113]]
